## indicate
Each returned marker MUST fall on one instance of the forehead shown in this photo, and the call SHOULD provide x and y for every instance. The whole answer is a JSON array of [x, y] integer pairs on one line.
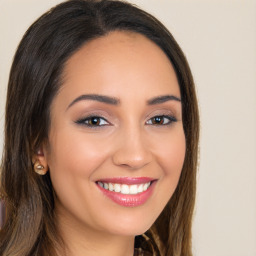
[[120, 63]]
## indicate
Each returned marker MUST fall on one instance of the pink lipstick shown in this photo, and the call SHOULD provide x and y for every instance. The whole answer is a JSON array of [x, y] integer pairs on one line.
[[127, 191]]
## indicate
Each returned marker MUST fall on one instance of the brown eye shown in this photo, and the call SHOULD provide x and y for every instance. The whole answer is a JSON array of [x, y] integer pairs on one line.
[[93, 121], [161, 120], [158, 120]]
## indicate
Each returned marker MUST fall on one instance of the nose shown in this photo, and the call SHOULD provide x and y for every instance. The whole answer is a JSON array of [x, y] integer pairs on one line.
[[132, 151]]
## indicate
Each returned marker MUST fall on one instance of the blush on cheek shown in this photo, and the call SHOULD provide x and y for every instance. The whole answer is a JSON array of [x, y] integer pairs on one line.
[[77, 151], [173, 156]]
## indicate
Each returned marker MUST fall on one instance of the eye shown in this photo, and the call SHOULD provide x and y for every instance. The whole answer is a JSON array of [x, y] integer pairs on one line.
[[93, 121], [161, 120]]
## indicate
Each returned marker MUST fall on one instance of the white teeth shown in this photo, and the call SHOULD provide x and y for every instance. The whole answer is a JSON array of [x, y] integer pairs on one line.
[[140, 188], [110, 187], [133, 189], [124, 188], [117, 188], [146, 186]]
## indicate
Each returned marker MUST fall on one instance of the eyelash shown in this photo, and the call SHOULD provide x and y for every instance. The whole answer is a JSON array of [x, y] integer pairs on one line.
[[86, 121], [162, 119]]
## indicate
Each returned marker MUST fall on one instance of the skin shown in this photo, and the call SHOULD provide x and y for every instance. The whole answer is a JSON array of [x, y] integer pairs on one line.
[[126, 143]]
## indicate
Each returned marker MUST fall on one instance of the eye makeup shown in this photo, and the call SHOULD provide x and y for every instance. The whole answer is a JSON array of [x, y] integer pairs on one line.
[[96, 121], [161, 120], [99, 118], [93, 121]]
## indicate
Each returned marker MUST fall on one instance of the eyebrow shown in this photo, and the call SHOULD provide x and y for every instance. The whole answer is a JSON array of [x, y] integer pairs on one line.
[[162, 99], [96, 97], [114, 101]]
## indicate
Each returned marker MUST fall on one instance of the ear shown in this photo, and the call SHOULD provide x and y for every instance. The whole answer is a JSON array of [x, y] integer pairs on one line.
[[40, 162]]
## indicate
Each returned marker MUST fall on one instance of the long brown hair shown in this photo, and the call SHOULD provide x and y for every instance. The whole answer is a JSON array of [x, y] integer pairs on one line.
[[34, 80]]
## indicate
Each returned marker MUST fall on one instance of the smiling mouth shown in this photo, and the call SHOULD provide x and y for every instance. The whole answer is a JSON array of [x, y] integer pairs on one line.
[[125, 189]]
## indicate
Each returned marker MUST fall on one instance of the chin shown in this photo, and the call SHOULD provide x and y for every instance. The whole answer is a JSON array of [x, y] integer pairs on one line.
[[131, 226]]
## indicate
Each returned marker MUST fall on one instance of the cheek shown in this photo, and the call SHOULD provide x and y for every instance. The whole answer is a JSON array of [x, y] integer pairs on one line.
[[74, 153], [171, 153], [171, 157], [175, 155], [73, 158]]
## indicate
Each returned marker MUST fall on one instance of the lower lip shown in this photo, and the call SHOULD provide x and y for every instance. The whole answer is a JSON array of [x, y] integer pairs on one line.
[[129, 200]]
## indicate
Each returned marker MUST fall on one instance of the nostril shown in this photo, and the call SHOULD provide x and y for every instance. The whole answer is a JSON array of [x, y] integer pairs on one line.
[[132, 152], [130, 162]]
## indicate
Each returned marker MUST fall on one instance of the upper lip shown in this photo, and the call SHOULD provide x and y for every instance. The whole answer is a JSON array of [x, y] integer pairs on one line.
[[127, 180]]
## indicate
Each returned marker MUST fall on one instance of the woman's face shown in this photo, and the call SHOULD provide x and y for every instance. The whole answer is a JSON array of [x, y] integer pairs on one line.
[[116, 143]]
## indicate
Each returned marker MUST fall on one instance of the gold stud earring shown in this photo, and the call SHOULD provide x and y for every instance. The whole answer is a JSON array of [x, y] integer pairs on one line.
[[39, 168]]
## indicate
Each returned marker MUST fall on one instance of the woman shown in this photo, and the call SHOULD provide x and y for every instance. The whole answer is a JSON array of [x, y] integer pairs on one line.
[[101, 136]]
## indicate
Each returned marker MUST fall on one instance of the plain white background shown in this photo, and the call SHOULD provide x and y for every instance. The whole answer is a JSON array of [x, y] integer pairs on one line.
[[219, 40]]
